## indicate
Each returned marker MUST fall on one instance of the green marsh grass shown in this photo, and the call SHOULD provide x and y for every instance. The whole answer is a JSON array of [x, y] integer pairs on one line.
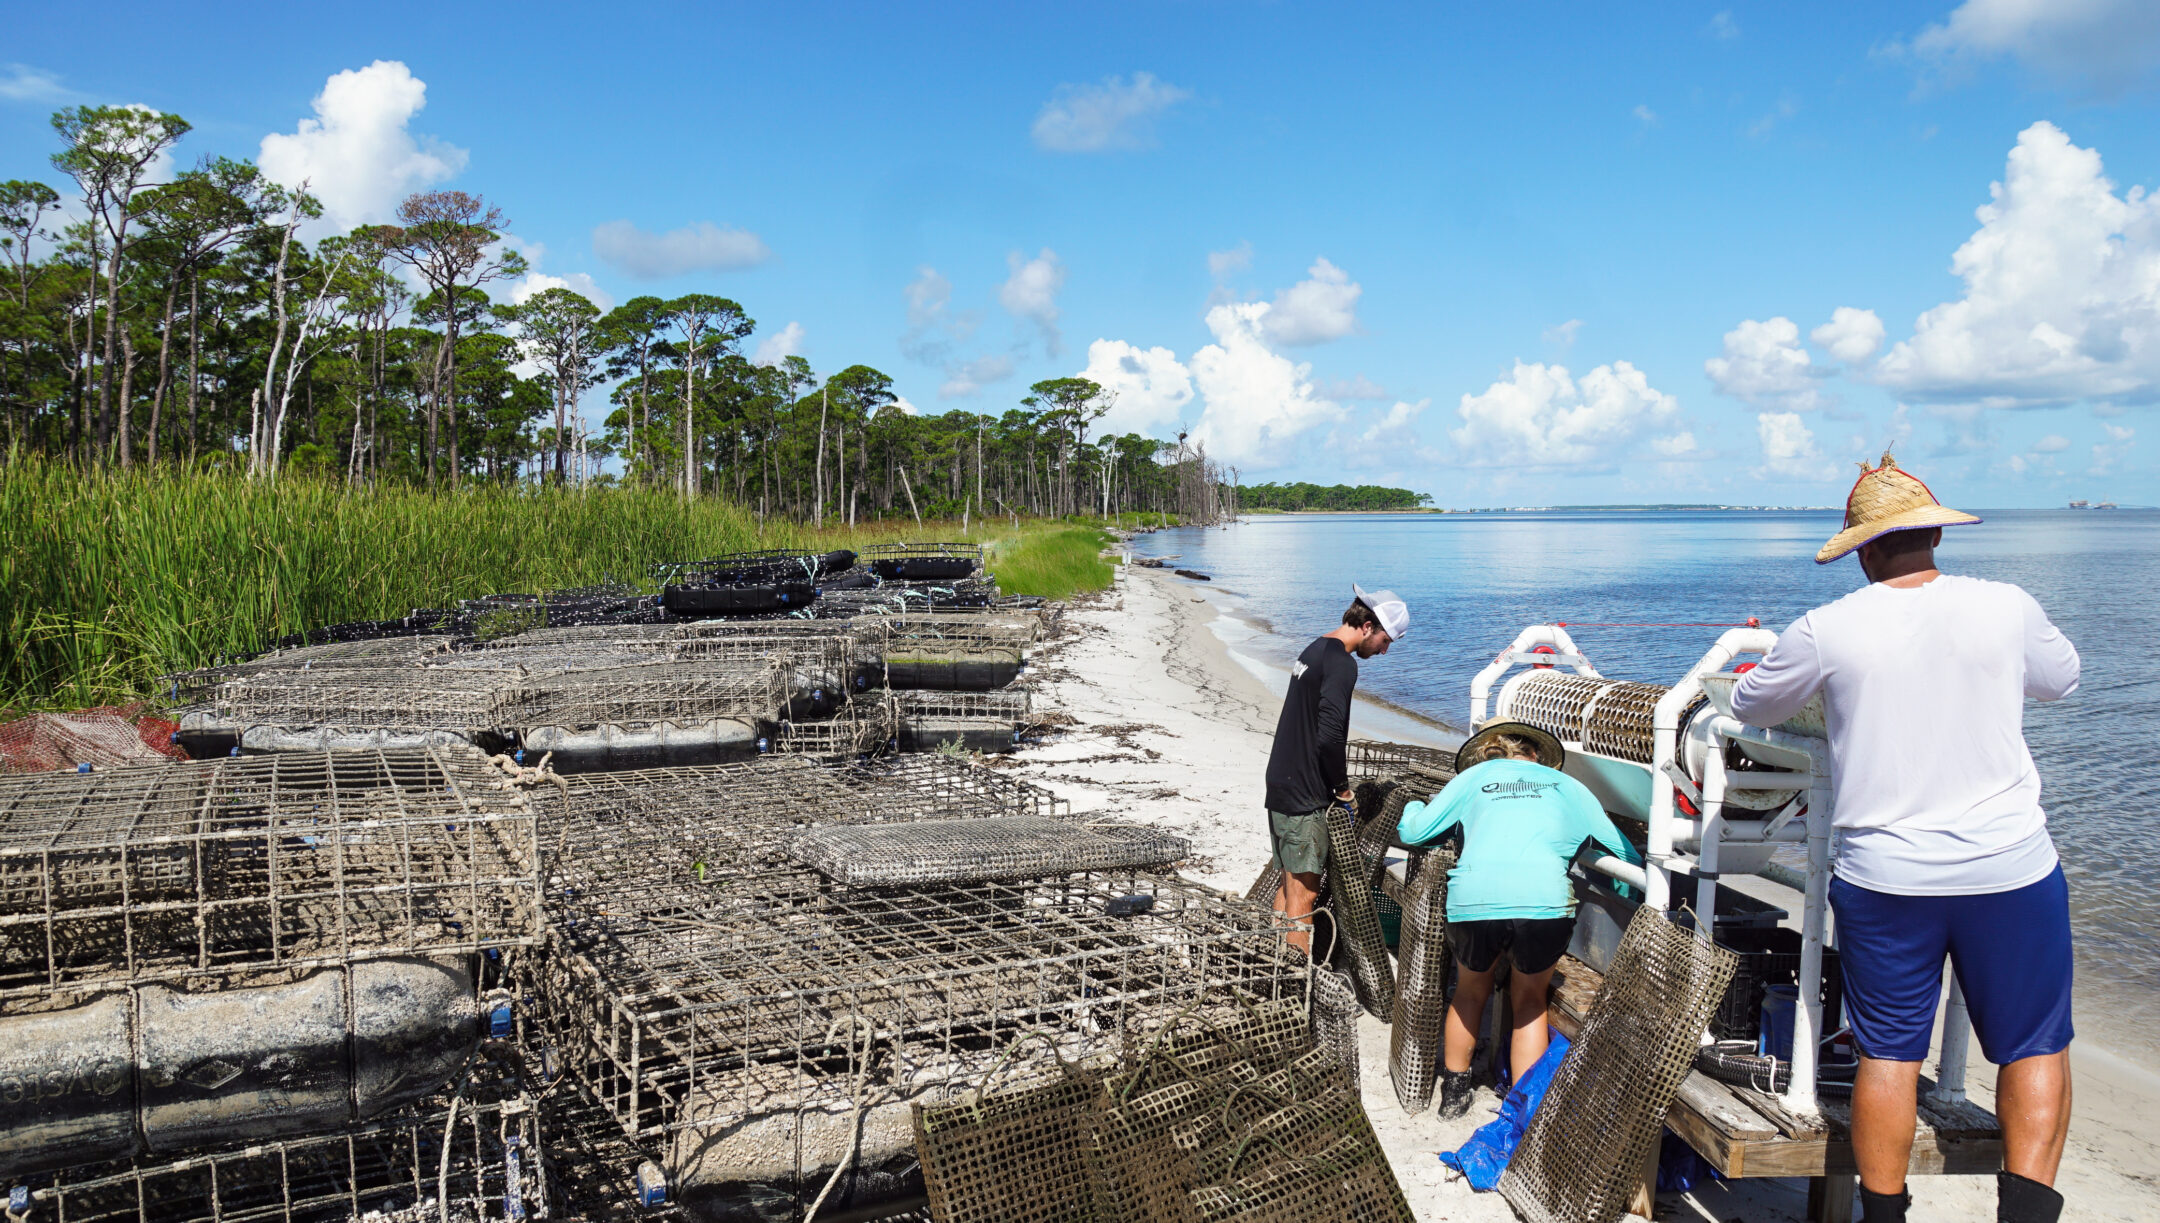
[[109, 580]]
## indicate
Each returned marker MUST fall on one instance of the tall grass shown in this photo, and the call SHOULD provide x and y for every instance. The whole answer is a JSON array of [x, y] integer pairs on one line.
[[1055, 562], [108, 581]]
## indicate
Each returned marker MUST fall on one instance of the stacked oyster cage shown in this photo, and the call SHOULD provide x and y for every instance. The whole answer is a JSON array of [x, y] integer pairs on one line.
[[265, 988], [756, 971], [704, 673], [366, 958]]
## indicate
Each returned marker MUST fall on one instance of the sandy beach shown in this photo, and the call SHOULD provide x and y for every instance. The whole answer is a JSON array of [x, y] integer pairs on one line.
[[1173, 729]]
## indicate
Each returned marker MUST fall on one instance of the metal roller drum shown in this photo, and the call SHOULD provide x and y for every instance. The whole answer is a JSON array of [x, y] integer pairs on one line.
[[1607, 716], [185, 1069]]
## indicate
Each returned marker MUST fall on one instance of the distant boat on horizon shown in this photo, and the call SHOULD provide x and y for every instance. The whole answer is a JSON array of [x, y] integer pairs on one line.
[[2106, 505], [2081, 504]]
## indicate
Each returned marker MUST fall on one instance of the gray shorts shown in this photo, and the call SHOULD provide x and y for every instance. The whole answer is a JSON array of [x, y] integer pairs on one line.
[[1300, 840]]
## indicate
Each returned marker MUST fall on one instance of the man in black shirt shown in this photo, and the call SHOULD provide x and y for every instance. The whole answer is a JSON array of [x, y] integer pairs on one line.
[[1309, 766]]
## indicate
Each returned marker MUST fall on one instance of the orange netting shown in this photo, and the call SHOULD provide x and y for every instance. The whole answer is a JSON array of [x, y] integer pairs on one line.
[[109, 735]]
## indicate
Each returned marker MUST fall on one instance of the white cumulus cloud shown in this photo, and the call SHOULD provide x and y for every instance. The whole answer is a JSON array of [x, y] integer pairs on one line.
[[1541, 417], [1764, 364], [1152, 387], [2062, 291], [1320, 308], [1851, 335], [703, 247], [779, 346], [2102, 47], [1115, 114], [1257, 401], [532, 284], [356, 155], [2053, 443], [1030, 293], [1788, 449]]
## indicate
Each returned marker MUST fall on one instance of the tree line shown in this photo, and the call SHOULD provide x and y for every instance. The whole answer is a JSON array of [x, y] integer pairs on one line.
[[1365, 497], [185, 321]]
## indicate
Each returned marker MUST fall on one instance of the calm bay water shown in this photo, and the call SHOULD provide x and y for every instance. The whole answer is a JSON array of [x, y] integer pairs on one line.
[[1474, 581]]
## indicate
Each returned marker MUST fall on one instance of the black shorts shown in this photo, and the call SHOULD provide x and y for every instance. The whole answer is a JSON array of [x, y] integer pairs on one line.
[[1534, 943]]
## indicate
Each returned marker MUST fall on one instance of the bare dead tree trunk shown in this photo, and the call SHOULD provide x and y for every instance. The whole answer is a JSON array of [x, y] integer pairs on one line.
[[824, 404], [164, 370], [909, 486]]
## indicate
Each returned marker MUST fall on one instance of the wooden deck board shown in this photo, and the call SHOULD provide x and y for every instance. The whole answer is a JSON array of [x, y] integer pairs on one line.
[[1746, 1133]]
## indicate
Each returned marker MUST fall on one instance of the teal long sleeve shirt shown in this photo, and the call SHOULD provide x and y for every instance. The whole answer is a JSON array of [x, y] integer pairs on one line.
[[1522, 824]]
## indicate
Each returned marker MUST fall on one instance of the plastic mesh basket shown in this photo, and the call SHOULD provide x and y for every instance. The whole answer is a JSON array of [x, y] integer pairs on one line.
[[1424, 970], [1607, 1103]]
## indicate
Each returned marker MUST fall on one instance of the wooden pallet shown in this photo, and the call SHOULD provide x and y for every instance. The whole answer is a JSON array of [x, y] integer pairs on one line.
[[1742, 1132]]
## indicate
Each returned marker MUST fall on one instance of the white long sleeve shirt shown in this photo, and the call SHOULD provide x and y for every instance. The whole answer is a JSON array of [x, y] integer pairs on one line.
[[1925, 688]]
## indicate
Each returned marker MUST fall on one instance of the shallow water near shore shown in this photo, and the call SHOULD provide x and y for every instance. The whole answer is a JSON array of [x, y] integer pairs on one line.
[[1621, 581]]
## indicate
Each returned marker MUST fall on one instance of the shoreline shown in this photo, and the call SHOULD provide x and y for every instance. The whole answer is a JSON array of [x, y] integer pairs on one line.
[[1172, 729]]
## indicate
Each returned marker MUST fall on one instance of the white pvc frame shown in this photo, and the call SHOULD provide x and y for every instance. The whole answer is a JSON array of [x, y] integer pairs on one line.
[[1804, 765]]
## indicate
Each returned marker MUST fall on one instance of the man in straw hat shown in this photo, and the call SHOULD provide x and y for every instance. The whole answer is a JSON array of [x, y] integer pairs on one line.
[[1942, 846], [1309, 766]]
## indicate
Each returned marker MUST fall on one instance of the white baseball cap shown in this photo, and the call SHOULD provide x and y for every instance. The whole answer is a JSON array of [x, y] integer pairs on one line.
[[1387, 607]]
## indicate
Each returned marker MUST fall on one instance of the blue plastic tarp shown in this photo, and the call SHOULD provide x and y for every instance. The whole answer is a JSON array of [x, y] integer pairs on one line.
[[1485, 1156]]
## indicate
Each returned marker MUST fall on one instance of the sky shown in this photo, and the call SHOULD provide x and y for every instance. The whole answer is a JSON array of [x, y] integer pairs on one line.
[[1501, 254]]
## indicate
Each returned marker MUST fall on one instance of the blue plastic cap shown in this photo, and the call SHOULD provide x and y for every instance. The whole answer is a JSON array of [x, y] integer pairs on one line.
[[520, 757], [235, 751], [174, 737], [764, 745], [84, 767], [500, 1021]]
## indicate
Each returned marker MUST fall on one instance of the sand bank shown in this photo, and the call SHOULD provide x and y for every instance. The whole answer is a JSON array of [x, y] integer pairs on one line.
[[1172, 728]]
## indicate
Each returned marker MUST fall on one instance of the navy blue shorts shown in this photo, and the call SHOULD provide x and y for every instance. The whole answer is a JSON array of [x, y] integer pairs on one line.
[[2011, 951]]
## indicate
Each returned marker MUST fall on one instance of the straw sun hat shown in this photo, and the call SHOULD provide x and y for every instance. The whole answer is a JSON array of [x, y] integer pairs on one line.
[[1885, 499], [1550, 752]]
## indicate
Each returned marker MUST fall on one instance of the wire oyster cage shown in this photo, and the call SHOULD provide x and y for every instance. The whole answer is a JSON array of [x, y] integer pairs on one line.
[[719, 830], [923, 562], [695, 1020], [479, 1156], [191, 869]]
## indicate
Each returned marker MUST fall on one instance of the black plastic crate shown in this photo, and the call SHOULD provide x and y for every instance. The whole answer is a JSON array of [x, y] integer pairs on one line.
[[1769, 956]]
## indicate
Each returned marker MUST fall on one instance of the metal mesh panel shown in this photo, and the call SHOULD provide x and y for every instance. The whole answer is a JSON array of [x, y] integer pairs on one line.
[[1012, 705], [1578, 1161], [386, 698], [958, 851], [482, 1161], [172, 871], [966, 630], [1372, 758], [1609, 717], [1423, 972], [883, 552], [1350, 904], [700, 1017], [682, 693]]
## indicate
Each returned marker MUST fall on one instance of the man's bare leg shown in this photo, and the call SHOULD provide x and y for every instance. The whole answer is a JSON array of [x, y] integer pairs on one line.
[[1528, 994], [2032, 1100], [1884, 1107], [1294, 900]]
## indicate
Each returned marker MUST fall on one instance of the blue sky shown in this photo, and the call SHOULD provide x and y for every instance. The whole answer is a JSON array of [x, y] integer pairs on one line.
[[1505, 255]]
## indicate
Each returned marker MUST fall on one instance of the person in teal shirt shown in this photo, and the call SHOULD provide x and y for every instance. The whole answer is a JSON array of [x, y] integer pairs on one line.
[[1522, 822]]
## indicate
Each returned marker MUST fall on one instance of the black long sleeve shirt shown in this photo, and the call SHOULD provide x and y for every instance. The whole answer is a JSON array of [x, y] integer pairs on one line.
[[1309, 765]]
